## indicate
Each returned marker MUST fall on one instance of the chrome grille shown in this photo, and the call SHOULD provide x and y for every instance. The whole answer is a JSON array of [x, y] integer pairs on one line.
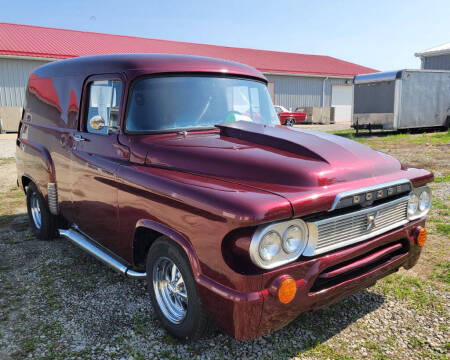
[[339, 231]]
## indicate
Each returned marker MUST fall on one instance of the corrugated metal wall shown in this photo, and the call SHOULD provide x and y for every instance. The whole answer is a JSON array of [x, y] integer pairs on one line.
[[13, 79], [301, 91], [441, 62]]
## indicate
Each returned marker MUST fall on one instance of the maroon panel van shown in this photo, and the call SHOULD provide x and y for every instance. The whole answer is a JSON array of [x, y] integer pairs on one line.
[[176, 169]]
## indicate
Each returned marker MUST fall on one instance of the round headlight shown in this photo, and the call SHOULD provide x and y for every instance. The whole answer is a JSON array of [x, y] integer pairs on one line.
[[413, 204], [424, 201], [270, 245], [292, 239]]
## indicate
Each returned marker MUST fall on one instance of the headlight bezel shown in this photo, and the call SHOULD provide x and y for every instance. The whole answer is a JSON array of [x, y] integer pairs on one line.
[[282, 257], [417, 192]]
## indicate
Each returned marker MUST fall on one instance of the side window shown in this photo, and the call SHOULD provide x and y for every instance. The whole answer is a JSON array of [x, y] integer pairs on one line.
[[103, 107]]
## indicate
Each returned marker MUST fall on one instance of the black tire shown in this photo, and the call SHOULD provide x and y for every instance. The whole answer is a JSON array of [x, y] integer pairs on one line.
[[290, 122], [196, 322], [47, 229]]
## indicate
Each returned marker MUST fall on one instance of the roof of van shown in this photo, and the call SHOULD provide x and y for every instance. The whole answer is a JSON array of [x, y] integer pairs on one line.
[[144, 63]]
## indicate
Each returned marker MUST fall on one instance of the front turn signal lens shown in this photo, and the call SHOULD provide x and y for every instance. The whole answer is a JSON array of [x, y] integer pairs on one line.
[[287, 290], [421, 236]]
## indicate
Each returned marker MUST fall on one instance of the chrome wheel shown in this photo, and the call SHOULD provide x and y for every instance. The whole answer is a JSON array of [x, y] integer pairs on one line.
[[170, 290], [290, 122], [36, 210]]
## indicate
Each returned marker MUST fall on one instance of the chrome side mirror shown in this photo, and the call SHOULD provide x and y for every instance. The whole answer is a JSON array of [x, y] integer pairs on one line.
[[97, 122]]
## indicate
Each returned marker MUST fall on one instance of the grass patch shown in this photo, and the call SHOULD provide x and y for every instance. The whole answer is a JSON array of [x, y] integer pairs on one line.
[[15, 195], [434, 138], [442, 178], [376, 350], [413, 290], [29, 345], [321, 351], [439, 204], [441, 272], [6, 161], [443, 229], [386, 137]]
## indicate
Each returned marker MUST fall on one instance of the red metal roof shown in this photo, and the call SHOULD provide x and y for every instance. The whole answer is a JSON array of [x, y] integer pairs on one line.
[[37, 41]]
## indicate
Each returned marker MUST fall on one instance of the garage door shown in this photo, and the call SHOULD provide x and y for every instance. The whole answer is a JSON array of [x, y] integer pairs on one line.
[[342, 100]]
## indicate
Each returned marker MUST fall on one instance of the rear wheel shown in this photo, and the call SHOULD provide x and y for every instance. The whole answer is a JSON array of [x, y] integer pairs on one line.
[[43, 224], [173, 291], [290, 122]]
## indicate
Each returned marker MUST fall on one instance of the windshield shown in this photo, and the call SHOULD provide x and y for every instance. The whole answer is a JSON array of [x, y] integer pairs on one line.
[[189, 102]]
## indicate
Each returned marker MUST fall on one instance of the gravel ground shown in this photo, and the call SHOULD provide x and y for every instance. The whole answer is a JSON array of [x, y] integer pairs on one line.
[[57, 302]]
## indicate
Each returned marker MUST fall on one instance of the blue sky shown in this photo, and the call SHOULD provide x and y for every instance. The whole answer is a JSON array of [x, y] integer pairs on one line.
[[379, 34]]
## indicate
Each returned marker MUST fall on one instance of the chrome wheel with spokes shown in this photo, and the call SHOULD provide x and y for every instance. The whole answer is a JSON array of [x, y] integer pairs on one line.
[[36, 210], [170, 290], [290, 122]]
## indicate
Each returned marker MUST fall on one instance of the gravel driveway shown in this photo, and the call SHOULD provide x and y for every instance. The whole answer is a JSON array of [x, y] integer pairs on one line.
[[57, 302]]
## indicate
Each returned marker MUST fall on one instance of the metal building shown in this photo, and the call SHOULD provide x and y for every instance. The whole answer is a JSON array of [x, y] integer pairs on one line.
[[436, 58], [295, 80]]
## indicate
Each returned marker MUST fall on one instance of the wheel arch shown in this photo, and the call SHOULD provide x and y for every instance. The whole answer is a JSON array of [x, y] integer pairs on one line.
[[148, 231], [25, 181]]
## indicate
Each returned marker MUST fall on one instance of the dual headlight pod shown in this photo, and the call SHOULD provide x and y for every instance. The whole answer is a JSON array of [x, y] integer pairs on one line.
[[276, 244], [419, 202]]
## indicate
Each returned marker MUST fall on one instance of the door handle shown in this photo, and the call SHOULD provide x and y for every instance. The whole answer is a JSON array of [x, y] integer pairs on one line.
[[77, 137]]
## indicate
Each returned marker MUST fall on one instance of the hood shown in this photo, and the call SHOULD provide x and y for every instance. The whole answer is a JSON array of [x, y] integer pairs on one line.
[[255, 153]]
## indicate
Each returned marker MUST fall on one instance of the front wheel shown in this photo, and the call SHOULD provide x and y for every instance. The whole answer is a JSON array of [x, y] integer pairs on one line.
[[173, 291], [290, 122], [43, 223]]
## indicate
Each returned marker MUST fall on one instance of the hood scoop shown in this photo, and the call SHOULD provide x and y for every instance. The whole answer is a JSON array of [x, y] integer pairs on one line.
[[259, 154], [279, 138]]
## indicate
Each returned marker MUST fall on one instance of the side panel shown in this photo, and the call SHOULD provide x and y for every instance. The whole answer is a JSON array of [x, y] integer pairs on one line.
[[50, 113], [425, 99], [439, 62]]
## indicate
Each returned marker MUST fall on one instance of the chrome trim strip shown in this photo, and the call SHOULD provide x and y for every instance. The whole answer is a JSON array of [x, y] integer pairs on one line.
[[314, 236], [367, 189], [80, 240]]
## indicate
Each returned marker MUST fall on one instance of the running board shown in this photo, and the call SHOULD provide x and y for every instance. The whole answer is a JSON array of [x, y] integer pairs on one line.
[[80, 240]]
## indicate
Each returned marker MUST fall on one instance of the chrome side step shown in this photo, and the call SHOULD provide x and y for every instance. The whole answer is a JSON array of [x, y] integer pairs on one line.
[[80, 240]]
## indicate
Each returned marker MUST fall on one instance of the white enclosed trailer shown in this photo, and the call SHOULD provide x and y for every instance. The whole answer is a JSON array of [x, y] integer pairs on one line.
[[403, 99]]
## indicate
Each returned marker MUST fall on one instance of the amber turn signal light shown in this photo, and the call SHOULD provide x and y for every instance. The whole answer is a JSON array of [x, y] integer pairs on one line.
[[287, 291], [284, 288], [421, 236]]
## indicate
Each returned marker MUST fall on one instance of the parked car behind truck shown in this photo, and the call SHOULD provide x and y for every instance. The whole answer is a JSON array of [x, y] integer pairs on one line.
[[174, 169], [404, 99], [290, 118]]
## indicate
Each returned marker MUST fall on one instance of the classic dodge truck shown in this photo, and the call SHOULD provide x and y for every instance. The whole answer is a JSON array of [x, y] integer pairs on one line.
[[175, 169]]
